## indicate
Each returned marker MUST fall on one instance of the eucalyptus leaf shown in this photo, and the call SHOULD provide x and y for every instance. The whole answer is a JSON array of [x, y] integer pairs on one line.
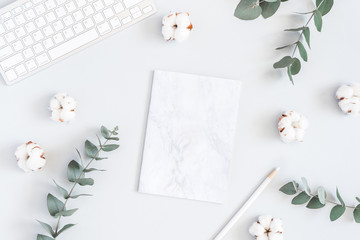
[[318, 20], [66, 213], [47, 227], [357, 199], [290, 76], [110, 147], [54, 205], [339, 197], [302, 51], [113, 138], [322, 195], [289, 189], [85, 181], [337, 212], [100, 158], [94, 169], [66, 227], [62, 190], [325, 6], [269, 8], [247, 10], [307, 35], [356, 213], [306, 186], [43, 237], [315, 203], [80, 195], [106, 133], [74, 171], [301, 198], [270, 0], [91, 149], [295, 67], [284, 62]]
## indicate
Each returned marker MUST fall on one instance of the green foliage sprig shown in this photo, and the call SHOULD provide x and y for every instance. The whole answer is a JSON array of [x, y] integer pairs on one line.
[[76, 175], [319, 200], [252, 9]]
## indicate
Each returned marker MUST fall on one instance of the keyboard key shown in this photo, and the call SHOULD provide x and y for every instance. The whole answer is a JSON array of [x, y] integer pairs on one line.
[[115, 22], [36, 1], [16, 10], [48, 43], [27, 5], [80, 3], [68, 33], [70, 7], [108, 13], [5, 16], [30, 27], [98, 18], [137, 15], [78, 28], [6, 51], [28, 53], [20, 70], [10, 37], [12, 61], [68, 20], [73, 44], [19, 19], [40, 9], [88, 23], [78, 16], [17, 46], [58, 26], [126, 20], [59, 2], [108, 2], [88, 10], [98, 5], [60, 12], [30, 14], [2, 41], [28, 41], [58, 38], [9, 24], [130, 3], [50, 17], [119, 8], [38, 36], [42, 59], [50, 4], [40, 22], [134, 10], [31, 65], [20, 32], [11, 75], [2, 29], [48, 31], [38, 48], [104, 28]]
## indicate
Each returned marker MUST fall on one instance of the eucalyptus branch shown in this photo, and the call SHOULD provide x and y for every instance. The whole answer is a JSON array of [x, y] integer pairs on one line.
[[76, 174], [319, 200]]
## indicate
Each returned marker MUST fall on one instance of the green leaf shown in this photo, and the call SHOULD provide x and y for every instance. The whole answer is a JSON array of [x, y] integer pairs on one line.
[[339, 197], [269, 8], [315, 203], [247, 10], [106, 133], [356, 214], [100, 158], [74, 171], [85, 181], [43, 237], [80, 195], [54, 205], [47, 227], [302, 51], [284, 62], [295, 67], [113, 138], [301, 198], [318, 20], [357, 199], [322, 195], [91, 149], [294, 29], [325, 7], [290, 76], [290, 188], [306, 186], [66, 227], [66, 213], [307, 35], [93, 169], [62, 190], [110, 147], [337, 212], [270, 0]]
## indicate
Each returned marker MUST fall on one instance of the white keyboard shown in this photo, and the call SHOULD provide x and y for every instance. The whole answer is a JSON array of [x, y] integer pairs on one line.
[[35, 34]]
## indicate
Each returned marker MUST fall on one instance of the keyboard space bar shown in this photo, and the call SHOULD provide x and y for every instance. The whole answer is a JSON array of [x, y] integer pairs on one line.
[[73, 44]]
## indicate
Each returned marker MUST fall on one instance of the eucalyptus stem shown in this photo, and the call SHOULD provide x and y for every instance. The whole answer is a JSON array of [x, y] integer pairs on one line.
[[335, 203]]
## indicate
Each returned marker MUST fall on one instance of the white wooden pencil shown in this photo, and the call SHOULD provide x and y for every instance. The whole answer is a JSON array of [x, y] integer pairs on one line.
[[246, 205]]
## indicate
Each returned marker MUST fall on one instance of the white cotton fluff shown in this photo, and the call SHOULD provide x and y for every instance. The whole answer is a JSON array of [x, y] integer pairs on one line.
[[349, 98], [62, 107], [30, 157], [267, 228], [292, 126], [176, 26]]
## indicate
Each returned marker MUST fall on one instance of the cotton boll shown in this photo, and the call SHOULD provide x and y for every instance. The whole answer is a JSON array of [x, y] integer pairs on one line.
[[349, 98], [276, 225], [30, 157], [168, 32], [292, 126], [181, 34], [256, 229], [183, 20], [67, 116], [356, 89], [265, 221], [169, 20], [344, 91], [62, 107], [176, 27], [267, 228], [68, 103]]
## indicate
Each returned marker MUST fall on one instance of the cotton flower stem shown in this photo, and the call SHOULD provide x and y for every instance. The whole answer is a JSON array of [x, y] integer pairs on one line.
[[76, 182]]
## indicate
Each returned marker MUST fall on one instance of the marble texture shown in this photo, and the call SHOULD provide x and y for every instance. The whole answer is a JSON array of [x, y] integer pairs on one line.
[[190, 136]]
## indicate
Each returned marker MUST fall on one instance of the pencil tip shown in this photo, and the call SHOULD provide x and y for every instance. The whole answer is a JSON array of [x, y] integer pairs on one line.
[[273, 173]]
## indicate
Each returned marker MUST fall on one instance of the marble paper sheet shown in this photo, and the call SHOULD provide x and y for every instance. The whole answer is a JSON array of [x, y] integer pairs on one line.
[[190, 136]]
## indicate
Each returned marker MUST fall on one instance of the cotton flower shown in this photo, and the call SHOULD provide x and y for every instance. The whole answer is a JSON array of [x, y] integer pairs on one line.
[[30, 157], [267, 228], [176, 26], [62, 107], [349, 98], [292, 126]]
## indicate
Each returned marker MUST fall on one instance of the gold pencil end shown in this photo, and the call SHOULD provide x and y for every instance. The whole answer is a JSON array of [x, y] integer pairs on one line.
[[273, 173]]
